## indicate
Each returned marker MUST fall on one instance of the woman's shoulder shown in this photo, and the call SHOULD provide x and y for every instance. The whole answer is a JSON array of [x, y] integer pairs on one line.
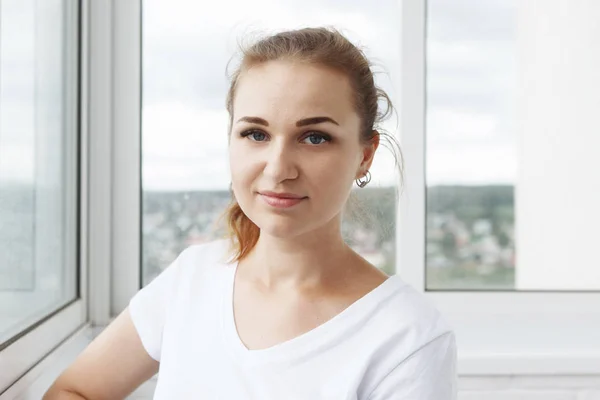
[[214, 250], [198, 268], [204, 257], [413, 313]]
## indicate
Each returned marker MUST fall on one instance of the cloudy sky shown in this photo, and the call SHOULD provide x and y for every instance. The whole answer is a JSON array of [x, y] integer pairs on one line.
[[471, 74], [17, 140]]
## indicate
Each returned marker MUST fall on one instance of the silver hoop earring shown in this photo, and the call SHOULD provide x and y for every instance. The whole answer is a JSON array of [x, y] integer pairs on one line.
[[362, 183]]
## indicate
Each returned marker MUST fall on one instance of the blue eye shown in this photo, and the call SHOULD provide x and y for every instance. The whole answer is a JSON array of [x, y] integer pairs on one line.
[[315, 138], [318, 138], [255, 135]]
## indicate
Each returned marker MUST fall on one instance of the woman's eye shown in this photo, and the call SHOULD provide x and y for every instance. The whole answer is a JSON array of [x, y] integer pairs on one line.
[[256, 136], [317, 138], [312, 139]]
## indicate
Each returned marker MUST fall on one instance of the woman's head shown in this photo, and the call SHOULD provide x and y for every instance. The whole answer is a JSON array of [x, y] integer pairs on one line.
[[303, 110]]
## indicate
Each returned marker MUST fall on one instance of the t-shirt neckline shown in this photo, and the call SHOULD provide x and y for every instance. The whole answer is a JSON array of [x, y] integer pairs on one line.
[[295, 347]]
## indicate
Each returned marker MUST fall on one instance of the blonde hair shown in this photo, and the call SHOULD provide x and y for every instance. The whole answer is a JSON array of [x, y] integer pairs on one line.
[[323, 46]]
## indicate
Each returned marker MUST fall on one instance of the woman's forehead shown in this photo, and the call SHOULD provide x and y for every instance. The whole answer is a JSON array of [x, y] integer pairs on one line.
[[305, 88]]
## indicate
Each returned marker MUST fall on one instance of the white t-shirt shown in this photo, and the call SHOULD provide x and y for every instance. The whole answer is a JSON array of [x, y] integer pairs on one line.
[[390, 344]]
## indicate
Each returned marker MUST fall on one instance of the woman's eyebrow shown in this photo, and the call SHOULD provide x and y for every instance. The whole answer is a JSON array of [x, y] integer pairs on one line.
[[254, 120], [315, 120], [302, 122]]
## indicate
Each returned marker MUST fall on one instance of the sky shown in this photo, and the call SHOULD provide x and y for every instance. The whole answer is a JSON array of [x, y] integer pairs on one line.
[[470, 135], [17, 91]]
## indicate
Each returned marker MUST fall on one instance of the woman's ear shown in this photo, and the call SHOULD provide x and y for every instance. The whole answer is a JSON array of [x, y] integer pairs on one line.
[[368, 153]]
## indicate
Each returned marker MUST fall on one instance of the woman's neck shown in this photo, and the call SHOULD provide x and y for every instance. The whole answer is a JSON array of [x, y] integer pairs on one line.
[[307, 261]]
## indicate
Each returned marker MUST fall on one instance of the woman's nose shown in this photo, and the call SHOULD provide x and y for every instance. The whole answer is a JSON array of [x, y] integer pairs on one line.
[[280, 164]]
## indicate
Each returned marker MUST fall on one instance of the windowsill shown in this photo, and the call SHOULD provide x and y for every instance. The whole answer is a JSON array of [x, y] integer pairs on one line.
[[470, 362], [36, 382], [524, 333]]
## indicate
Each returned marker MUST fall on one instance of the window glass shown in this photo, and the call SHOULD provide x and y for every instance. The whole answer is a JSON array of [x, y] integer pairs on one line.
[[511, 142], [38, 86]]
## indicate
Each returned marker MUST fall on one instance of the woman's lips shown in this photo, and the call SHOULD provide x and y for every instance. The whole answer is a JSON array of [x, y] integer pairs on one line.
[[280, 202]]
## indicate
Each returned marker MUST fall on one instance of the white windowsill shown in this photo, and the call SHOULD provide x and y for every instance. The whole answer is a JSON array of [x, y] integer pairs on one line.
[[35, 383]]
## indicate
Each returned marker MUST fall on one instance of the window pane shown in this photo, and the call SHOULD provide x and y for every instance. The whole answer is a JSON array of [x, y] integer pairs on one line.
[[512, 135], [38, 78], [185, 161]]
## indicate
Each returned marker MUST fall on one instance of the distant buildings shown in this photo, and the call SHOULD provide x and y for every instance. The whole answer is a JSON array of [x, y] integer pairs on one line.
[[470, 231]]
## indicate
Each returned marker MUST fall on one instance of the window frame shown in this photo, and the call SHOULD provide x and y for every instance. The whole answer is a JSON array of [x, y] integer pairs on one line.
[[475, 315], [115, 159], [22, 352], [126, 277], [109, 179]]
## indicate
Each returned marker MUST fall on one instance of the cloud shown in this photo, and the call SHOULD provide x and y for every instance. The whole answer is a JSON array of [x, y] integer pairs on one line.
[[186, 49], [467, 20], [469, 164], [17, 163], [471, 92], [471, 75], [450, 126], [184, 147]]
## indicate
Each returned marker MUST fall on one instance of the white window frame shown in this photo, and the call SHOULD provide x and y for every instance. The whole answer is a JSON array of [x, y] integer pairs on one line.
[[115, 142], [115, 85], [110, 84], [36, 342], [127, 102], [501, 333]]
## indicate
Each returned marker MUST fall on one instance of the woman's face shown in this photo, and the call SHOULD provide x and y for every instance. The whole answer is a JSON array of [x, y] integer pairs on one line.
[[294, 131]]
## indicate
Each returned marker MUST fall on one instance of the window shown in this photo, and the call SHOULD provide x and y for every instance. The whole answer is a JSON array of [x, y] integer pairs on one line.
[[38, 161], [185, 172], [531, 328], [511, 168]]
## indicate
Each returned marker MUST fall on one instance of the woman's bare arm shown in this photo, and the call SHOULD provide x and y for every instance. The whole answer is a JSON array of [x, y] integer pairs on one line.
[[111, 367]]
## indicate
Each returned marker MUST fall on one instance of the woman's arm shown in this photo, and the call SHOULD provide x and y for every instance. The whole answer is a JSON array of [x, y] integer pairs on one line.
[[111, 367]]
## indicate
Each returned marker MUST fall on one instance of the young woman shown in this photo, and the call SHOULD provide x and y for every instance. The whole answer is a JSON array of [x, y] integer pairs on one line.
[[294, 312]]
